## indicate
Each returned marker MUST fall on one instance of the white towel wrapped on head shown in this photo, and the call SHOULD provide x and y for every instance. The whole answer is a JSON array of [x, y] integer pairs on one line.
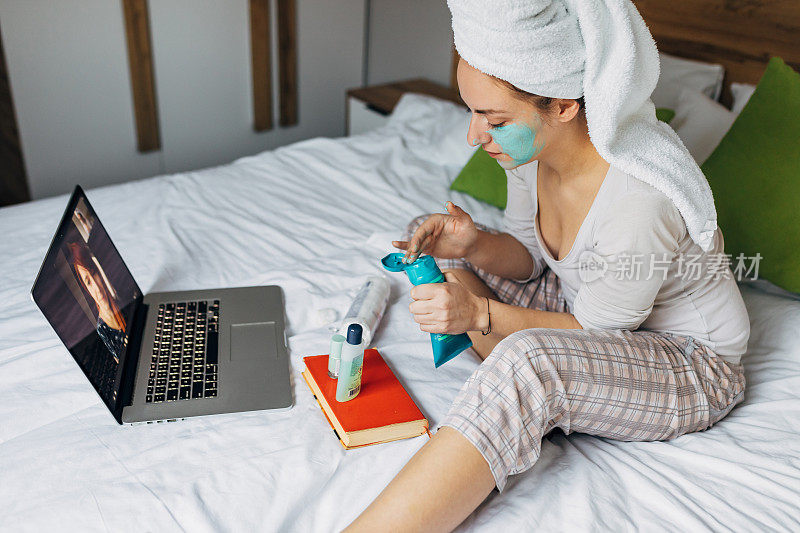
[[603, 51]]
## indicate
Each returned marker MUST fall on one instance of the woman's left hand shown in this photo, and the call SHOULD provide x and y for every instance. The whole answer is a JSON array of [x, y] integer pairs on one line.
[[447, 307]]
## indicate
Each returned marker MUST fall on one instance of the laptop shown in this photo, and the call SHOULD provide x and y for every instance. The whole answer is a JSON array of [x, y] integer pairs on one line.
[[161, 356]]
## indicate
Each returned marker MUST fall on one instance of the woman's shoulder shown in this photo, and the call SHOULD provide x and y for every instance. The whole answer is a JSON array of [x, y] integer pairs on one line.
[[638, 209], [633, 198]]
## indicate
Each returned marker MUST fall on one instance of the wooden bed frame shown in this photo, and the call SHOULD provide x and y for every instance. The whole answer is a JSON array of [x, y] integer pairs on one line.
[[741, 35]]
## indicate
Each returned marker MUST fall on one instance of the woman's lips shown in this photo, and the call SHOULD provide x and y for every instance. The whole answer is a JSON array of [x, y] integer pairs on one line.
[[494, 154]]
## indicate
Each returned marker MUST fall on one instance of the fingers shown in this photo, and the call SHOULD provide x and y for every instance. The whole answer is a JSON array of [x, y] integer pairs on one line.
[[432, 307], [412, 249], [426, 244], [427, 307], [454, 210], [419, 241], [436, 318], [432, 328], [426, 234], [422, 307], [451, 277], [424, 313], [426, 291]]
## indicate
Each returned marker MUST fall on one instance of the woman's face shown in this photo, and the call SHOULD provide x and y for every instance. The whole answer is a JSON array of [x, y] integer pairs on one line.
[[92, 287], [510, 129], [85, 223]]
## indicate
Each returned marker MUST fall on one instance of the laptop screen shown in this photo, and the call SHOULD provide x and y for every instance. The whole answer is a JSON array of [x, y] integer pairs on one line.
[[88, 295]]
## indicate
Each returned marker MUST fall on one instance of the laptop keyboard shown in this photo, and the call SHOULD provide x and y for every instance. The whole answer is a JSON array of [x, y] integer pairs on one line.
[[185, 352]]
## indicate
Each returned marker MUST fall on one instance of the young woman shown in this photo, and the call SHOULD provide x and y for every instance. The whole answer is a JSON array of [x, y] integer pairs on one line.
[[110, 323], [600, 309]]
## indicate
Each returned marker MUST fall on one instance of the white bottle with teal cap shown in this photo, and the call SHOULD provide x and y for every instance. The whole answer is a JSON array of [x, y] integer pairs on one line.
[[351, 364]]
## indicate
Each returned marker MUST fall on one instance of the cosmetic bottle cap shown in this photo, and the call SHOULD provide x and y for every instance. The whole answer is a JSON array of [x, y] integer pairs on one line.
[[336, 345], [354, 334], [394, 263], [423, 270]]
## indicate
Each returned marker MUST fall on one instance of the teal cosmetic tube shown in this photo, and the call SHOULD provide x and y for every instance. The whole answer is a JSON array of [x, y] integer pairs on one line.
[[425, 270]]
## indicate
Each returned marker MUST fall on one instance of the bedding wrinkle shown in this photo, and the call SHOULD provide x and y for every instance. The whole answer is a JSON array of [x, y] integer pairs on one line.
[[216, 522], [100, 511], [671, 493], [136, 477]]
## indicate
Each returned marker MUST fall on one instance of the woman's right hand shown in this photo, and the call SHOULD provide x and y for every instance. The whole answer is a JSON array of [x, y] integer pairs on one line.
[[449, 236]]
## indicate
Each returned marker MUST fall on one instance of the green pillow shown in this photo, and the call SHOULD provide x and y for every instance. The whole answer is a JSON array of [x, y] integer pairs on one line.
[[755, 176], [482, 178], [664, 114]]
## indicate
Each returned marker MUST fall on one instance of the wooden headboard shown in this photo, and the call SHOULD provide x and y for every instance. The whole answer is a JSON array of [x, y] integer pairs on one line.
[[741, 35]]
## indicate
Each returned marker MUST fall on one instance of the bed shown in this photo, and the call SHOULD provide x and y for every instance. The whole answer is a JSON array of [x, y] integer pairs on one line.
[[315, 217]]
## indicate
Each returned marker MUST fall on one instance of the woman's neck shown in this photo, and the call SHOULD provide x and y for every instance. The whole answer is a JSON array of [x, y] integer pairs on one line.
[[107, 316], [574, 157]]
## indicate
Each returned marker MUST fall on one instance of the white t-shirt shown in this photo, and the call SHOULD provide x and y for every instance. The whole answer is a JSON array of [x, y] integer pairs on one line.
[[634, 265]]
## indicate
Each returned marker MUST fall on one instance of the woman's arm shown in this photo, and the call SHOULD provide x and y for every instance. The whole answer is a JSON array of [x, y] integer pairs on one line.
[[649, 228], [507, 319], [452, 308], [455, 235], [502, 255]]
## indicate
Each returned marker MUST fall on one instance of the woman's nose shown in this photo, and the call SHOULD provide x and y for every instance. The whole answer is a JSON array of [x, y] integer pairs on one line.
[[477, 132]]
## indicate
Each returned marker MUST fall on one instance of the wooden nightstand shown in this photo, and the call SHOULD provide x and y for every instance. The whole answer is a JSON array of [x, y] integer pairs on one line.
[[369, 107]]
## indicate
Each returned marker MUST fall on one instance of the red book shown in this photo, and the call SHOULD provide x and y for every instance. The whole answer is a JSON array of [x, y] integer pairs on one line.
[[382, 412]]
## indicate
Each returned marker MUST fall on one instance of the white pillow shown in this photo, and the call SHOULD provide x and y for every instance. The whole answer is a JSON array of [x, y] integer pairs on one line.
[[678, 74], [701, 123], [741, 95], [433, 129]]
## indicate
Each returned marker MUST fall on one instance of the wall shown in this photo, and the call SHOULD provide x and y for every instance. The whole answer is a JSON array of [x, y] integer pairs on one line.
[[206, 103], [69, 77], [68, 70], [409, 39]]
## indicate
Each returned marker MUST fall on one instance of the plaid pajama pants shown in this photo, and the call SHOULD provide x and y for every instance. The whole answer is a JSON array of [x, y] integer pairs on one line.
[[625, 385]]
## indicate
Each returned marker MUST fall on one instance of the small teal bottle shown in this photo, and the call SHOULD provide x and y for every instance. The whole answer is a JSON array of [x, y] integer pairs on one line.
[[425, 270], [335, 355], [351, 365]]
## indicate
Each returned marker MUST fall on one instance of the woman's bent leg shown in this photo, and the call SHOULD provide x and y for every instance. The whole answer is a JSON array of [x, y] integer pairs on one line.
[[633, 386]]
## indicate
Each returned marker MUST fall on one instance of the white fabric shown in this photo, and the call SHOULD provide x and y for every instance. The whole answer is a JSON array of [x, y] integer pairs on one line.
[[629, 218], [741, 95], [678, 73], [66, 465], [611, 60], [535, 45], [701, 123]]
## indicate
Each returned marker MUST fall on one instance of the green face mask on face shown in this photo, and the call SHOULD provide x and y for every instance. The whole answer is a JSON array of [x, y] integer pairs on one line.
[[518, 141]]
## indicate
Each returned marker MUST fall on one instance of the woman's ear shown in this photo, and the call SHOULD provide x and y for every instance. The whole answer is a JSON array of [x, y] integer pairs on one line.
[[566, 109]]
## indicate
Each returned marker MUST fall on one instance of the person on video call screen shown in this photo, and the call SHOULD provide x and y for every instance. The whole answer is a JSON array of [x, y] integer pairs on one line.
[[110, 323]]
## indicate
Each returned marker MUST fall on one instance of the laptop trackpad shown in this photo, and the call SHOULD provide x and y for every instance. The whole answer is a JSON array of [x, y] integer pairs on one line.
[[253, 341]]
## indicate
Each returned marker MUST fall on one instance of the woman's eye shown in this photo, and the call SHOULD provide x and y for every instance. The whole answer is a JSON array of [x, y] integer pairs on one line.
[[499, 124]]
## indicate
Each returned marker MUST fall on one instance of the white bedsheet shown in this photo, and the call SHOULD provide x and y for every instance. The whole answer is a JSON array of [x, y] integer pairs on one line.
[[314, 218]]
